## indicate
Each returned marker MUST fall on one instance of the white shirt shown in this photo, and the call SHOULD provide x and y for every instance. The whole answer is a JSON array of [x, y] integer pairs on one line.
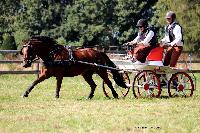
[[178, 36], [146, 40]]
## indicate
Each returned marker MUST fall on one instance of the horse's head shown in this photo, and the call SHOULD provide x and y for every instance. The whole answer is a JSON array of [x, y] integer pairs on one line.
[[28, 53]]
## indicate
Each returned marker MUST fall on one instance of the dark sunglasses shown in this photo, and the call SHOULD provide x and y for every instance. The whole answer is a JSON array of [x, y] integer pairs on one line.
[[140, 26]]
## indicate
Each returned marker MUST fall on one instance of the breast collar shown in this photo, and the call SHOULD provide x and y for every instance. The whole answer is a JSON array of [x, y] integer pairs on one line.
[[52, 53]]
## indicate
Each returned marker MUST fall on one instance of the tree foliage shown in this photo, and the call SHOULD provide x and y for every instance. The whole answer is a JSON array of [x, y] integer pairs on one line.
[[8, 12], [92, 22], [188, 15], [8, 42]]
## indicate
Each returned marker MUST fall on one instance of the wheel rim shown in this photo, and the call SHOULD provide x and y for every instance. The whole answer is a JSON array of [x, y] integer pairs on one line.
[[184, 86], [146, 84], [122, 92]]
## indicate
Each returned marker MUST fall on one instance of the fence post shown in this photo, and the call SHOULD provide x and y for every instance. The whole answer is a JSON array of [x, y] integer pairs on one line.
[[190, 60], [38, 69]]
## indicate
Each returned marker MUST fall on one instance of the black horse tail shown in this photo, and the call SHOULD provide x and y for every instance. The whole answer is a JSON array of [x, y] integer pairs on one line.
[[117, 76]]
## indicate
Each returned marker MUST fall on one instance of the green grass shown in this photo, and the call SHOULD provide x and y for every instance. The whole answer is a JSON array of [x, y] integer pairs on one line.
[[41, 112]]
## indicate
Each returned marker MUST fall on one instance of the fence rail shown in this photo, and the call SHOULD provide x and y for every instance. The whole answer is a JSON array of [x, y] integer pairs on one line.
[[20, 72], [9, 51], [13, 61], [37, 71]]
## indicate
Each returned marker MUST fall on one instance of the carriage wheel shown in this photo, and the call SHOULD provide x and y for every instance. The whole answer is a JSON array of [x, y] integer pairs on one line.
[[122, 92], [180, 84], [146, 84]]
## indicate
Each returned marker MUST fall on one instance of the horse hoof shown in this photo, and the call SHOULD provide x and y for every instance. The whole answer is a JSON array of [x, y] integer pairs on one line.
[[89, 98], [116, 97], [25, 95], [56, 96]]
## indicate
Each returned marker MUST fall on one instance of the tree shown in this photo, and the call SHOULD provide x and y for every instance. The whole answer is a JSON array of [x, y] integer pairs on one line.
[[188, 15], [90, 22], [8, 42], [8, 11], [81, 22], [38, 17], [127, 13]]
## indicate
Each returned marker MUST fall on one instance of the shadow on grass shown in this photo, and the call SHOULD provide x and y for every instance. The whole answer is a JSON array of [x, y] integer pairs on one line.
[[96, 98], [164, 97]]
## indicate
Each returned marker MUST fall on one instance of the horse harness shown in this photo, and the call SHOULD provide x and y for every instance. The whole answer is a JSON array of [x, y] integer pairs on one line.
[[48, 61], [68, 62], [70, 52]]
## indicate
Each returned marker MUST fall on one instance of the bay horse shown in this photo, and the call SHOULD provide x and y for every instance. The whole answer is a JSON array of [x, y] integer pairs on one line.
[[68, 64]]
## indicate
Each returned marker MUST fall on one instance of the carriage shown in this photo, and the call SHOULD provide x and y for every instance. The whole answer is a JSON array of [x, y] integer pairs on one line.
[[60, 62], [151, 78]]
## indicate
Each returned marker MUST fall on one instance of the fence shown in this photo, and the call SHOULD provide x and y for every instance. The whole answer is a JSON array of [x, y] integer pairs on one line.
[[112, 50], [17, 61]]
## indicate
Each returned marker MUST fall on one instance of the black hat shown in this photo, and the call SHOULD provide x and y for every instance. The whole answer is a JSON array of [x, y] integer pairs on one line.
[[142, 23]]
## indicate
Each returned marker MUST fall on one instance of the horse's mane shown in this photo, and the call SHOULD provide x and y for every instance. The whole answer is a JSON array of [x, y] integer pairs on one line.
[[44, 39]]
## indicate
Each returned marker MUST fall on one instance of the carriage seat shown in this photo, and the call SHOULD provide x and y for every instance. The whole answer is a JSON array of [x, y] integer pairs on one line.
[[155, 56]]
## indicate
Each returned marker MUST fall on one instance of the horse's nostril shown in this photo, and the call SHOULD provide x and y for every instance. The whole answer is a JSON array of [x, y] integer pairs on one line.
[[26, 64]]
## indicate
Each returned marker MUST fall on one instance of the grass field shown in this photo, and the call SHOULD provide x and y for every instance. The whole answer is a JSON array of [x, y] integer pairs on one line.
[[41, 112]]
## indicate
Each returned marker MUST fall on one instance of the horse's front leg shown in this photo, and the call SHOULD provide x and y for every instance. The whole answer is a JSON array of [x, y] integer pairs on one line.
[[40, 79], [59, 82]]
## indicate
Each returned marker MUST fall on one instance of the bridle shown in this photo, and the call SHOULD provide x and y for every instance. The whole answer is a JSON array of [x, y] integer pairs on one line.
[[31, 57]]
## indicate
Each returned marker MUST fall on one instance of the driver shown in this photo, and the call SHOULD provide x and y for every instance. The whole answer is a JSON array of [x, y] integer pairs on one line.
[[145, 41]]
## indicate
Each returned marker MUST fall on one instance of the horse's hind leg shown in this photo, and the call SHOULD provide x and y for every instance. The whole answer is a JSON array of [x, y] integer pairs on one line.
[[40, 79], [104, 75], [88, 78], [59, 82]]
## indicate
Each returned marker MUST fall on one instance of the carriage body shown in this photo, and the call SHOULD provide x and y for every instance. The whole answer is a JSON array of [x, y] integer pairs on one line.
[[149, 79]]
